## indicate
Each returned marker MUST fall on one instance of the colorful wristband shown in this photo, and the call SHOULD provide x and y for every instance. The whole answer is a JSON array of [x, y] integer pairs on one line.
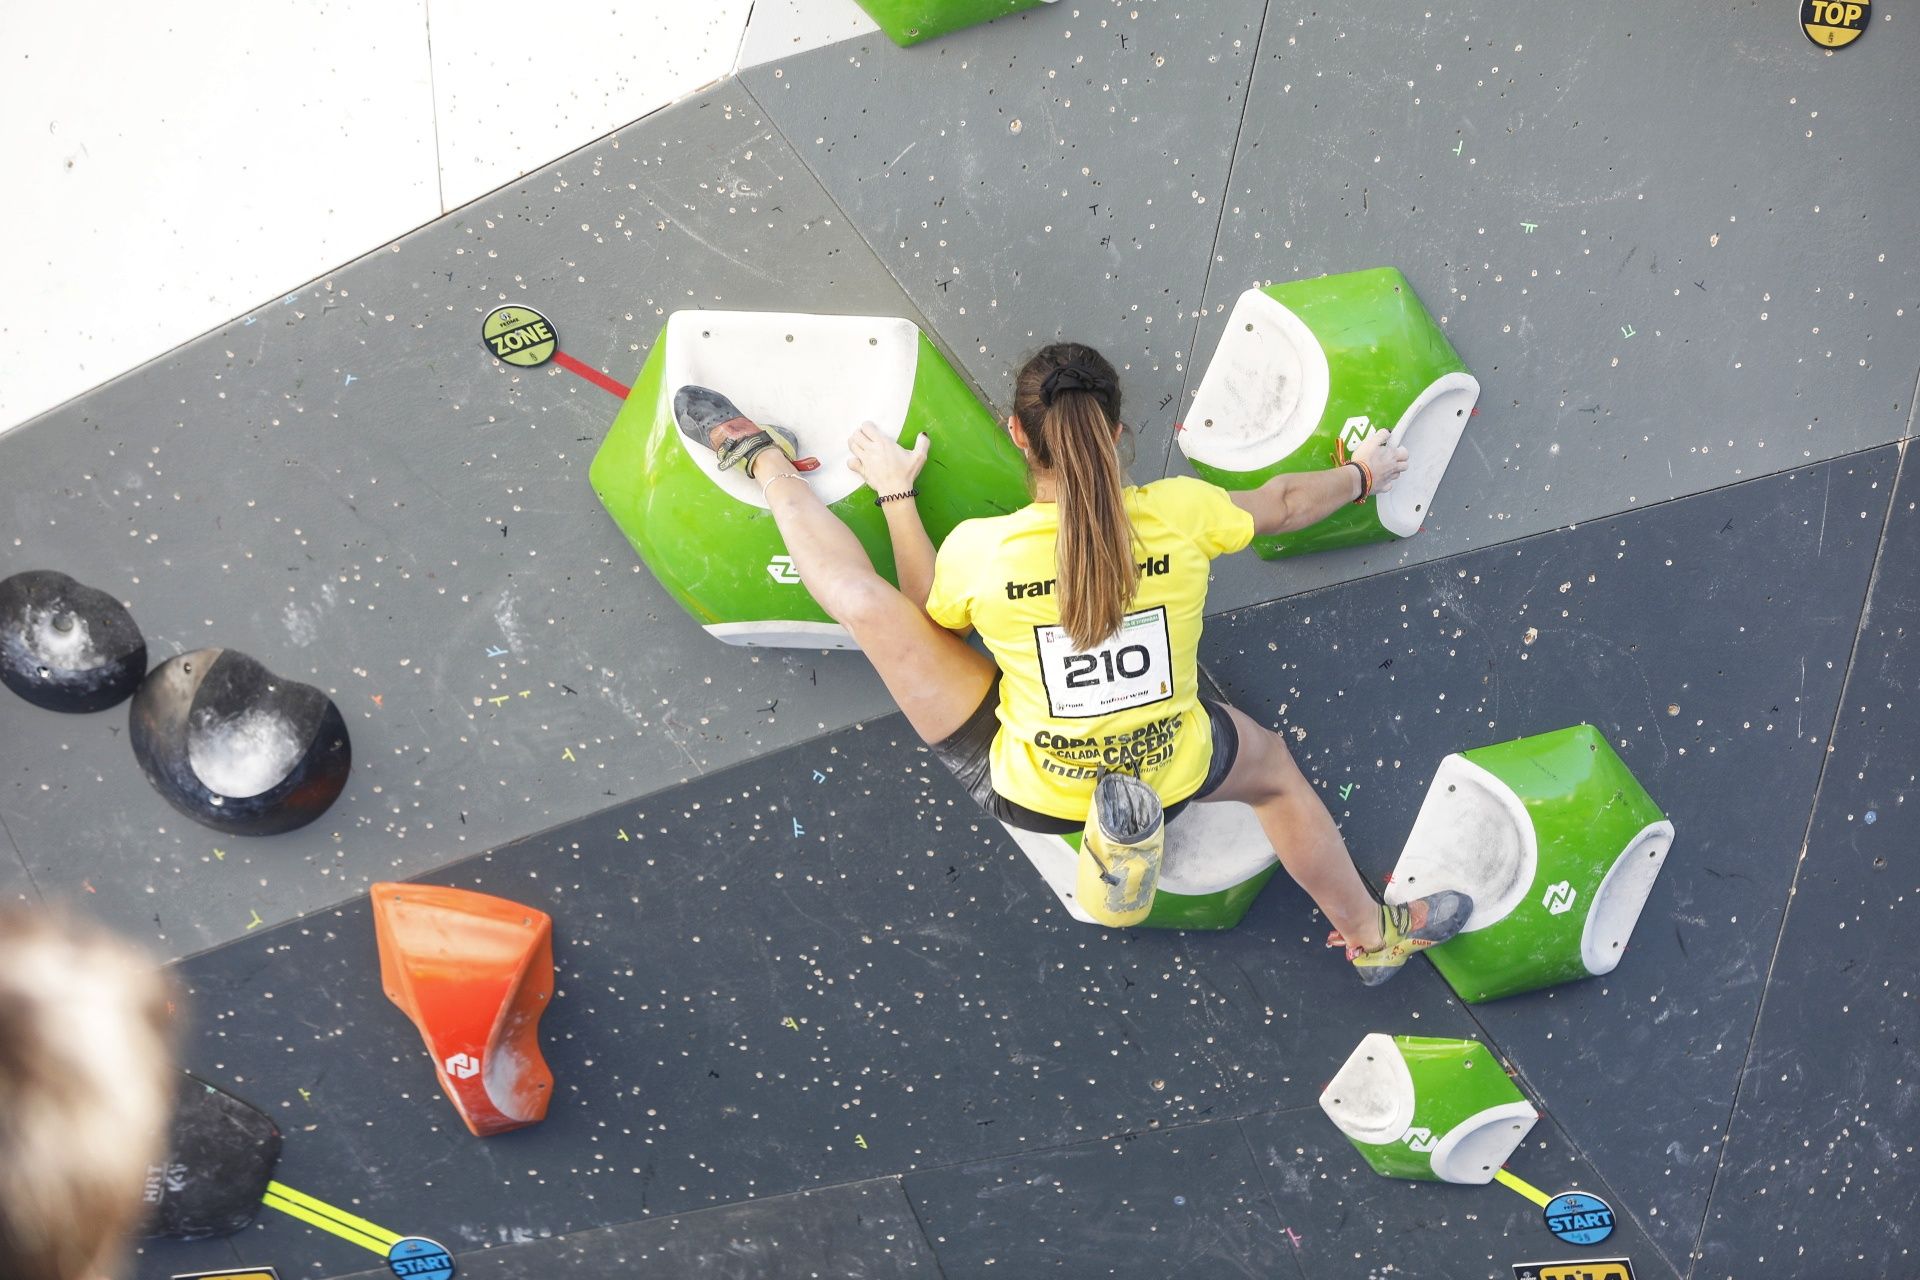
[[1366, 479]]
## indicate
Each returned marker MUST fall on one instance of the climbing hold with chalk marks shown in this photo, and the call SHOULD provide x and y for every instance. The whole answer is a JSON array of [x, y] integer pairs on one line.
[[66, 646], [236, 747]]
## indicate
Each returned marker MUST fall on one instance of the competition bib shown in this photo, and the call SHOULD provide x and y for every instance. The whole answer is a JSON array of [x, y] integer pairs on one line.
[[1132, 669]]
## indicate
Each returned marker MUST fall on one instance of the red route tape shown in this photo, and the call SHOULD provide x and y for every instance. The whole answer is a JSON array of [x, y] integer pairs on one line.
[[591, 374]]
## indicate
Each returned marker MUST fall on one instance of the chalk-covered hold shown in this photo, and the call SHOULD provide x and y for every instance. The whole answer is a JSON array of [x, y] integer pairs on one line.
[[219, 1162], [707, 534], [66, 646], [1432, 1109], [1559, 845], [1308, 368], [236, 747], [474, 973]]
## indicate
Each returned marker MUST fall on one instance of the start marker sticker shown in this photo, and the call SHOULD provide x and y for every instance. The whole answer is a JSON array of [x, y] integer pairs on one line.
[[1575, 1269], [1834, 24], [418, 1258], [520, 336], [1579, 1218]]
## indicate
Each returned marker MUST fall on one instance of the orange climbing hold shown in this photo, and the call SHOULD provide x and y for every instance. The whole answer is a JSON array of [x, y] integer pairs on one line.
[[474, 972]]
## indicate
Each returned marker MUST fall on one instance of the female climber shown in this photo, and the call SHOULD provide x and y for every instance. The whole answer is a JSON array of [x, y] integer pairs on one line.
[[1090, 601]]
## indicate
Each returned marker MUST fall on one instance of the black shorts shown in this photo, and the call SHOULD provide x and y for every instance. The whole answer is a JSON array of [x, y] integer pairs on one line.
[[967, 752]]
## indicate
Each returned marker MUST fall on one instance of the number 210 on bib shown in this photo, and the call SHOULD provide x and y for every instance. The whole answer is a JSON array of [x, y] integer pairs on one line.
[[1132, 669]]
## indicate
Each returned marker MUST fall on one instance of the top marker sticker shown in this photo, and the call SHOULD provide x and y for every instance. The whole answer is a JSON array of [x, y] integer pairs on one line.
[[1835, 24]]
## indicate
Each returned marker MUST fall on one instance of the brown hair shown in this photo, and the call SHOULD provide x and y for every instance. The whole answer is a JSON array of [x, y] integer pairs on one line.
[[85, 1090], [1067, 398]]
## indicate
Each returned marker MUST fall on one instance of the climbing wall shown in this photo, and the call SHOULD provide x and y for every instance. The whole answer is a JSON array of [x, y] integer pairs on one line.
[[813, 1014], [346, 485], [1660, 238], [825, 969], [1038, 157]]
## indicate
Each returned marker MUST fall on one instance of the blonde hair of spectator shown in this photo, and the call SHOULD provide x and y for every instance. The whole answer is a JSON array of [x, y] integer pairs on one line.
[[86, 1087]]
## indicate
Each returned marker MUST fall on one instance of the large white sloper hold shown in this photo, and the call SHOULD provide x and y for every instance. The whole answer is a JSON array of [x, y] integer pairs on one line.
[[1309, 368], [1559, 846], [1433, 1109], [708, 535]]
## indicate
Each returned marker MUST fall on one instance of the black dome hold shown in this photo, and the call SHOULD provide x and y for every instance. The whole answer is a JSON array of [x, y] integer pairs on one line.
[[66, 646], [237, 748], [220, 1157]]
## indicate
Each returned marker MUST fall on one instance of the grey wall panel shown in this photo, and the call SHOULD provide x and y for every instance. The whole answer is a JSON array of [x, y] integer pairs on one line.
[[1188, 1202], [1708, 639], [346, 485], [857, 1231], [1672, 242], [16, 886], [1057, 174], [1344, 1221], [823, 967], [1817, 1171]]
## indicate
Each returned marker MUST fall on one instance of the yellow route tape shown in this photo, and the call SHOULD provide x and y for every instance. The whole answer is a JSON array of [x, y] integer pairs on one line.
[[1522, 1187], [325, 1224], [318, 1213]]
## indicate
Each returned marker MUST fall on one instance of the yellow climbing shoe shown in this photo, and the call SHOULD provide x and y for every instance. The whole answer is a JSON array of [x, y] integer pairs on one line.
[[1410, 927]]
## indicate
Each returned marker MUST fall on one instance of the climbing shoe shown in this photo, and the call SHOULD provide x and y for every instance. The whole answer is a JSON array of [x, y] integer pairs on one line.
[[1411, 927], [710, 420]]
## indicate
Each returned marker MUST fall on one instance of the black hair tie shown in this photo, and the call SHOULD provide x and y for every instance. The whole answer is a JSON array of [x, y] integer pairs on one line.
[[1071, 377]]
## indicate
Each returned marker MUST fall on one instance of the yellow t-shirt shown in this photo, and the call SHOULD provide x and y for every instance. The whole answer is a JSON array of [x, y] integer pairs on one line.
[[1131, 701]]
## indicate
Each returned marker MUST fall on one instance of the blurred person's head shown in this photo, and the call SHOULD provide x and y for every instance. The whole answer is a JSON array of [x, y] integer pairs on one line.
[[85, 1089]]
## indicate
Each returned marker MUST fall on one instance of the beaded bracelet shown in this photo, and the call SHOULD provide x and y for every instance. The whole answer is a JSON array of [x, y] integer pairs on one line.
[[883, 499]]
